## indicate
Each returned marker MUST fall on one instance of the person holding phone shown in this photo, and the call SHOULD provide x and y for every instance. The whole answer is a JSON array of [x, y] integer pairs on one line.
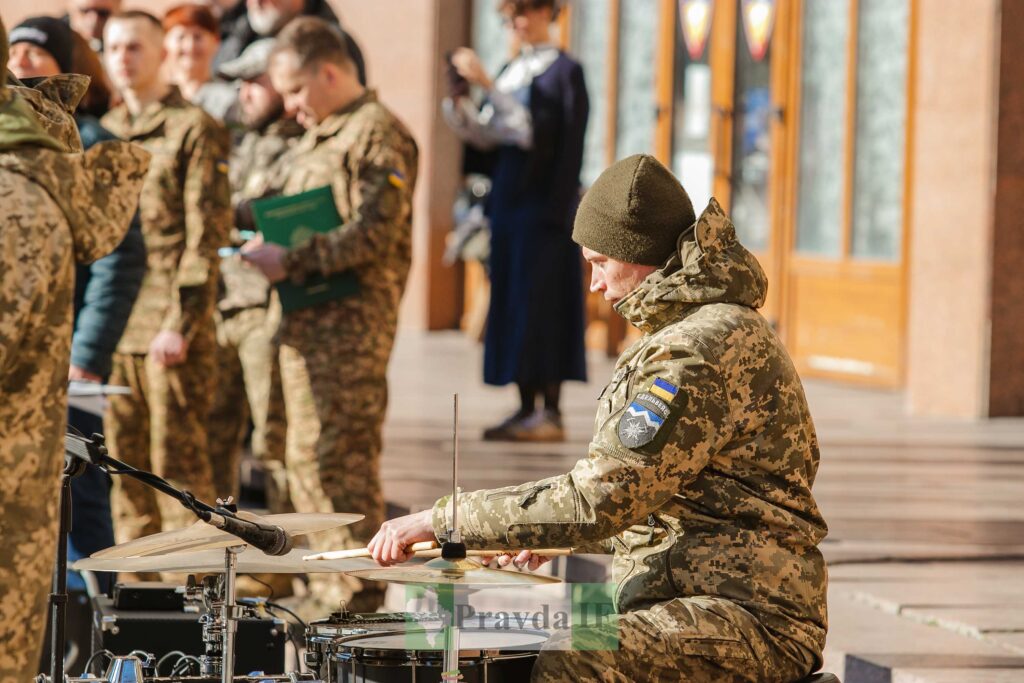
[[533, 119]]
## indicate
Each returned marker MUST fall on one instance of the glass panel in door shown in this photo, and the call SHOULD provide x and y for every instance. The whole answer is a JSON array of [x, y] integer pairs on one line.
[[590, 22], [636, 106], [490, 39], [692, 160], [880, 134], [822, 157], [751, 144]]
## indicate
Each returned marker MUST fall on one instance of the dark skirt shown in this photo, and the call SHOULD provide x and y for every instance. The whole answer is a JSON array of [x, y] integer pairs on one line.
[[535, 323]]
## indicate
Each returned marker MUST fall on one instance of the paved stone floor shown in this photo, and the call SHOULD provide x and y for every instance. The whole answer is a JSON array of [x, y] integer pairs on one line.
[[926, 542]]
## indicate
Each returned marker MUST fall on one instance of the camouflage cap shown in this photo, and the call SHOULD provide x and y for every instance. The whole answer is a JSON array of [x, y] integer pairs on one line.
[[252, 63]]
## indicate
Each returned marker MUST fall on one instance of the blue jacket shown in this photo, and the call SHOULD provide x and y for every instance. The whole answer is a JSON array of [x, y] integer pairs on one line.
[[106, 289]]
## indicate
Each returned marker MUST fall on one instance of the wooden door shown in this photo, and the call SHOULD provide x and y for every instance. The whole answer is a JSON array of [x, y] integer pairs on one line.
[[844, 291]]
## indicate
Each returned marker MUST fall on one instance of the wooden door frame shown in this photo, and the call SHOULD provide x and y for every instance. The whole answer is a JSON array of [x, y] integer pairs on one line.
[[845, 266]]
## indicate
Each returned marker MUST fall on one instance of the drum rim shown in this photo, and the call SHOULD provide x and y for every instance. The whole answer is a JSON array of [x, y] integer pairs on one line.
[[427, 657]]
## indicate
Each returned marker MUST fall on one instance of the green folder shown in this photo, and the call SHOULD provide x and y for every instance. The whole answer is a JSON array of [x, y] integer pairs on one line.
[[291, 222]]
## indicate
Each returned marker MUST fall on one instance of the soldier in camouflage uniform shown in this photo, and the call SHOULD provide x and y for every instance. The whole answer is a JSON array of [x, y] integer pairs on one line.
[[334, 357], [57, 209], [700, 469], [166, 354], [246, 321]]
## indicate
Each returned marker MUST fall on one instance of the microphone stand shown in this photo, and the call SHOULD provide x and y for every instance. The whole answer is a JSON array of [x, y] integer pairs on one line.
[[80, 451], [73, 467]]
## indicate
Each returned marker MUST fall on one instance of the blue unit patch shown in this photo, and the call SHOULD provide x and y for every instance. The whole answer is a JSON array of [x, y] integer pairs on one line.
[[639, 425]]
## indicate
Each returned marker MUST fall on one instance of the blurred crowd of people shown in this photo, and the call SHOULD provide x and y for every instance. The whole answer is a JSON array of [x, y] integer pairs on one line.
[[181, 309], [249, 99]]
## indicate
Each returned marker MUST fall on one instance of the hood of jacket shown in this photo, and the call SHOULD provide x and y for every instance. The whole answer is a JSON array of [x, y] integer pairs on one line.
[[709, 266]]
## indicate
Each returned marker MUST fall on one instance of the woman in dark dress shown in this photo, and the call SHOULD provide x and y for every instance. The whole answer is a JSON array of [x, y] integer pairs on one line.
[[534, 118]]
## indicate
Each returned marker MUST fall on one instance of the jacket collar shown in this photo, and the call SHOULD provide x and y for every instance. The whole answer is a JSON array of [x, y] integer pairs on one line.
[[330, 126], [149, 120], [709, 266]]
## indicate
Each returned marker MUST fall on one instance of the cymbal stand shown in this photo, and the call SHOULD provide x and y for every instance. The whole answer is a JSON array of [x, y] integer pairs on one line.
[[80, 450], [220, 623], [453, 549]]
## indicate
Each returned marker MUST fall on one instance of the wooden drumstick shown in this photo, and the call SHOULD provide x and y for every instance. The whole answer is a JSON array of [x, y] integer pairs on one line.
[[429, 549]]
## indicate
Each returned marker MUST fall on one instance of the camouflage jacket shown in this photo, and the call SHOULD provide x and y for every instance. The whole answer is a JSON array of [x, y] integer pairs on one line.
[[56, 209], [253, 170], [369, 159], [704, 452], [185, 211]]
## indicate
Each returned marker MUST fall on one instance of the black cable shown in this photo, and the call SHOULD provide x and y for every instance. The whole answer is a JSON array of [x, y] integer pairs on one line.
[[295, 616], [262, 583], [292, 635]]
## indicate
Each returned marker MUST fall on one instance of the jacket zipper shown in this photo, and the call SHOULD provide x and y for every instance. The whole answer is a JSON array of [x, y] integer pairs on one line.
[[531, 495], [526, 499]]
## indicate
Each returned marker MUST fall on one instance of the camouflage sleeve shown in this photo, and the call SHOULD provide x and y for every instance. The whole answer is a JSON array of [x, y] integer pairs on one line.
[[673, 419], [207, 198], [32, 256], [380, 194]]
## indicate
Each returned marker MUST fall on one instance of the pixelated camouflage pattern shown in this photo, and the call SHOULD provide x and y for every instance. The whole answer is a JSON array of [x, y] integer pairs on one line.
[[186, 214], [248, 386], [54, 101], [719, 503], [185, 211], [253, 173], [160, 427], [247, 367], [334, 357], [711, 640], [55, 209]]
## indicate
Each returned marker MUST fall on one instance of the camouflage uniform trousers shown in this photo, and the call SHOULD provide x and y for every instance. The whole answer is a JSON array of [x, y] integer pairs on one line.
[[335, 411], [694, 640], [160, 427], [248, 384], [28, 527]]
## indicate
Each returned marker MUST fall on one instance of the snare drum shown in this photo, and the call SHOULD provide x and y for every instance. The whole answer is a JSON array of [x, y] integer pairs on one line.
[[486, 655]]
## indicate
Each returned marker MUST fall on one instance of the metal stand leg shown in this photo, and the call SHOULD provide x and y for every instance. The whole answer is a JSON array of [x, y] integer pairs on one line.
[[229, 616], [450, 668], [59, 596]]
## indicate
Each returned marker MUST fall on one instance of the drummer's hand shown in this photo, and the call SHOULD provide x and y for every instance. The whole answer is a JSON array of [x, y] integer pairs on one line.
[[525, 559], [388, 545]]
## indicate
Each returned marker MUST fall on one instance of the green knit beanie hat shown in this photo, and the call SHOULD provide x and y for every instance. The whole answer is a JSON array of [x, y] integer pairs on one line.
[[634, 212]]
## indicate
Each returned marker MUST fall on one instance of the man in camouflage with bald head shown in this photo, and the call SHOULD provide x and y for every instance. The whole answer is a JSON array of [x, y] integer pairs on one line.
[[57, 208], [700, 470]]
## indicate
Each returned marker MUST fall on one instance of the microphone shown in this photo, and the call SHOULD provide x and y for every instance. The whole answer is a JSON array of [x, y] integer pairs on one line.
[[271, 539]]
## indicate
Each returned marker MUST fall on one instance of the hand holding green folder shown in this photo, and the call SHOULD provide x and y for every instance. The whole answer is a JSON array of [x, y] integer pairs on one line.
[[291, 222]]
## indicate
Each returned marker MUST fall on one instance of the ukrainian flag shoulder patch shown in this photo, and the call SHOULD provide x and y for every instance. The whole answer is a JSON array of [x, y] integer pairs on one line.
[[664, 389], [396, 178]]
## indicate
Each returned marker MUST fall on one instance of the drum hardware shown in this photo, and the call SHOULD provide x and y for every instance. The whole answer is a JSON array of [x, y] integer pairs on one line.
[[416, 654], [251, 529]]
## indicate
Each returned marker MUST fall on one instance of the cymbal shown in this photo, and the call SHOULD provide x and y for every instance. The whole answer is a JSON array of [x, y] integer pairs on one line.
[[249, 561], [465, 572], [203, 536]]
